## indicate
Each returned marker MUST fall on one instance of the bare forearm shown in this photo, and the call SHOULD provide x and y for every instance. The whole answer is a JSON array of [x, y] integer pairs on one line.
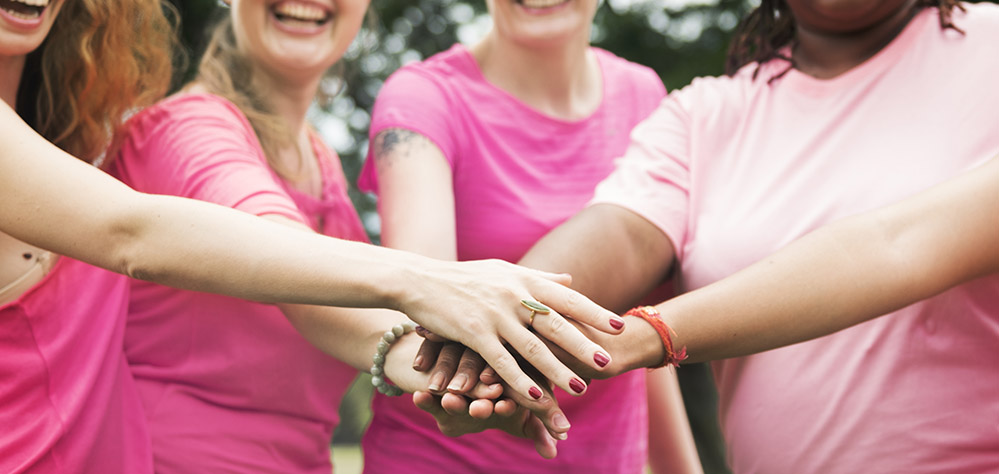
[[615, 257], [57, 202], [669, 429], [156, 241], [847, 273], [348, 334]]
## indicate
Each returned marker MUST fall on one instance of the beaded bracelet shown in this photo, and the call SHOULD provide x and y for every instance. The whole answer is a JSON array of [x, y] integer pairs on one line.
[[378, 366], [652, 316]]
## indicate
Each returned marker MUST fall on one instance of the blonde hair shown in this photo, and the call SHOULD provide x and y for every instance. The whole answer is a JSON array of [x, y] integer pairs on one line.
[[227, 72], [101, 59]]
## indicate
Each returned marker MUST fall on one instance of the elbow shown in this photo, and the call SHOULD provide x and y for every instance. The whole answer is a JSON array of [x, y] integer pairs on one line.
[[128, 234]]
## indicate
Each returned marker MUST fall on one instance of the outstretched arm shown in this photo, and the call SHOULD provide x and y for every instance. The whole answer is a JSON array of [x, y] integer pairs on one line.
[[416, 202], [847, 272], [615, 257], [54, 201]]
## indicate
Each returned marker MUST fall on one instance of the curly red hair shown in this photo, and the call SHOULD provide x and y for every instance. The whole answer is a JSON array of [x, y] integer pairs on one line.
[[102, 59]]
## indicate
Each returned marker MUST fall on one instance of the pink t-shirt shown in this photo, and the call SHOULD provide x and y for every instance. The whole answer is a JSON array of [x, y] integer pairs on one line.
[[229, 385], [517, 174], [69, 401], [733, 169]]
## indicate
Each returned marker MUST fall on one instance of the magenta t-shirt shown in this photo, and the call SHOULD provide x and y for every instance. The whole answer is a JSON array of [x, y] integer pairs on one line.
[[517, 174], [228, 385], [69, 402], [733, 169]]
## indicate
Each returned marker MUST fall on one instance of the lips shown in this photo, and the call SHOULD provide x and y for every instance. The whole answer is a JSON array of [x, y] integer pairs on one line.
[[539, 4], [298, 13], [24, 9]]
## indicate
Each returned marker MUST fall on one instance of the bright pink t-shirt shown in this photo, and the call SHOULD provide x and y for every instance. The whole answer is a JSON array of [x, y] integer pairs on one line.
[[69, 401], [229, 385], [517, 174], [733, 169]]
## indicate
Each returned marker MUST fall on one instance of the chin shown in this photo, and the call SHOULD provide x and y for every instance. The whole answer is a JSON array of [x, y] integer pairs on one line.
[[14, 45]]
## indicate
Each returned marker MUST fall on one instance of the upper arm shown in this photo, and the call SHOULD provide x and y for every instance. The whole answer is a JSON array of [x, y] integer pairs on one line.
[[413, 147], [55, 201], [614, 255], [416, 199]]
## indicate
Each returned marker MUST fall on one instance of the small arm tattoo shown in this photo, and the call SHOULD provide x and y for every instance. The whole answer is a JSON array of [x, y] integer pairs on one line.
[[396, 143]]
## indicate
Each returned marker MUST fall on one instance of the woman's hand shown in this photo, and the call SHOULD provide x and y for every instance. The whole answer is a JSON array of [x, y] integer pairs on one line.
[[488, 313], [400, 371], [453, 420], [456, 375]]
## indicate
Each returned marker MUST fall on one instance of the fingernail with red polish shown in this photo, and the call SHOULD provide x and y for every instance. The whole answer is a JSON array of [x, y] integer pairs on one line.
[[577, 385], [535, 393], [601, 359], [616, 322]]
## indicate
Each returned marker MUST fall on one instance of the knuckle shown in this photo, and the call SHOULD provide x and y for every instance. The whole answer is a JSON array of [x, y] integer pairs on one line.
[[586, 347], [503, 363], [507, 293], [475, 327], [470, 364], [573, 300], [557, 325], [534, 348]]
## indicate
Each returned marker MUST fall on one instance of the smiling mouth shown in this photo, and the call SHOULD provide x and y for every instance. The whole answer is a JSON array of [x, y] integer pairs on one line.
[[541, 3], [297, 13], [24, 9]]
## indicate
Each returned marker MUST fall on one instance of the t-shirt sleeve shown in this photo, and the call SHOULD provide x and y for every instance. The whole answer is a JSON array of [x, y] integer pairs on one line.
[[202, 148], [411, 99], [652, 178]]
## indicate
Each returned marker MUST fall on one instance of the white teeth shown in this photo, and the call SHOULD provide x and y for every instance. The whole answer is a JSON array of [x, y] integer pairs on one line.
[[38, 6], [23, 16], [300, 11], [541, 3]]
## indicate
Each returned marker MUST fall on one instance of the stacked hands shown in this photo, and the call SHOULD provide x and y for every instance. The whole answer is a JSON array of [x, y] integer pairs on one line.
[[464, 392], [507, 361]]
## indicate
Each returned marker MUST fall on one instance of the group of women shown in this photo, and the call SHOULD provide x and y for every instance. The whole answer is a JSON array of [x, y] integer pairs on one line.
[[495, 151]]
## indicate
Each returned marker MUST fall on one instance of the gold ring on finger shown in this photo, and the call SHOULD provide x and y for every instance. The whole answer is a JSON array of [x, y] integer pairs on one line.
[[536, 308]]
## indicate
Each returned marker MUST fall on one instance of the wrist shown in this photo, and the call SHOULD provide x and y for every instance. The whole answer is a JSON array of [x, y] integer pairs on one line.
[[646, 348], [404, 284], [670, 353], [387, 359]]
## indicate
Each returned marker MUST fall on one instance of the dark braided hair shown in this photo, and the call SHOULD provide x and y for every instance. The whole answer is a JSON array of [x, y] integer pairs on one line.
[[763, 34]]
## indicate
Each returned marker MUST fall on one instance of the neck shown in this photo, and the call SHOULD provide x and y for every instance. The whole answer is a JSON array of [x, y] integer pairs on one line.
[[290, 99], [563, 80], [828, 54], [11, 69]]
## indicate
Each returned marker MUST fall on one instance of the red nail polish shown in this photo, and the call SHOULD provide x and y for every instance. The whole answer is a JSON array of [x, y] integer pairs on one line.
[[616, 322], [534, 392], [577, 385], [601, 359]]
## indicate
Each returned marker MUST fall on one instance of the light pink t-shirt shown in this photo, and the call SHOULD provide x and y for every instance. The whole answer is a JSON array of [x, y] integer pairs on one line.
[[69, 403], [517, 174], [229, 385], [733, 169]]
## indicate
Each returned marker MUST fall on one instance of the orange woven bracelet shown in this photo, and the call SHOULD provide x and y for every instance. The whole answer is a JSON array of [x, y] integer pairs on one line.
[[653, 317]]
